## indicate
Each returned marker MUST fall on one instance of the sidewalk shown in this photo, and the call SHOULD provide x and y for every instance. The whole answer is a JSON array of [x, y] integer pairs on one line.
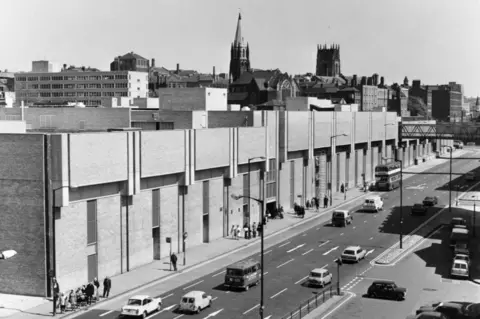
[[33, 307]]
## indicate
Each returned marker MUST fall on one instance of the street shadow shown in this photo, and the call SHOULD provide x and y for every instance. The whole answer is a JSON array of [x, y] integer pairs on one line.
[[461, 181], [391, 223], [49, 314], [222, 287]]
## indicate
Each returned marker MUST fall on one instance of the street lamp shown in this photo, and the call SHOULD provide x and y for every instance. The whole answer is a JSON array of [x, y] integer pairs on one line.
[[450, 184], [331, 166], [7, 254], [262, 228], [249, 185], [401, 198]]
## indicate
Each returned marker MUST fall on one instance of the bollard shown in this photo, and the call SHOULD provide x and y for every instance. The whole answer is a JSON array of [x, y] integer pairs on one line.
[[300, 311]]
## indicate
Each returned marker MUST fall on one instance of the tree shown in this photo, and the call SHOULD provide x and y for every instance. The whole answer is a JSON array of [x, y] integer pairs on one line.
[[416, 106]]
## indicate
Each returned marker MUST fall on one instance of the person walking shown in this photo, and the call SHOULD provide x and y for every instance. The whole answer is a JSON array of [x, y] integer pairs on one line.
[[233, 232], [56, 294], [237, 232], [89, 291], [245, 231], [107, 284], [96, 283], [254, 229], [173, 259], [317, 204], [325, 201]]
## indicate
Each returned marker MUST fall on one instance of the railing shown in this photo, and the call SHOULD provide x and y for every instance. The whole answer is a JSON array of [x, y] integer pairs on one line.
[[311, 304]]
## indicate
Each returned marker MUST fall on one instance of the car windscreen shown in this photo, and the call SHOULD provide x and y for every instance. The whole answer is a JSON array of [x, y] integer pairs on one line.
[[349, 252], [234, 272], [134, 302], [460, 266], [315, 274]]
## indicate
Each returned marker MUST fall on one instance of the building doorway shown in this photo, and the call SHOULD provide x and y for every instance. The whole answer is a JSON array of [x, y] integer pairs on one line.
[[156, 243], [206, 228]]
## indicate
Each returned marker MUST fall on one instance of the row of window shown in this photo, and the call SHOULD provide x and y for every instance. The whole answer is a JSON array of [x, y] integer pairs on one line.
[[104, 77], [72, 94], [81, 86]]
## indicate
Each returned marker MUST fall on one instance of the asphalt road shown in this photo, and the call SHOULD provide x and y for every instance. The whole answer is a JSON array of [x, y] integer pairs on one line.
[[288, 263]]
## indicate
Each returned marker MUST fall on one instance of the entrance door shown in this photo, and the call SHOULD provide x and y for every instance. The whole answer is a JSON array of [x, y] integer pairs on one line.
[[156, 243], [205, 228]]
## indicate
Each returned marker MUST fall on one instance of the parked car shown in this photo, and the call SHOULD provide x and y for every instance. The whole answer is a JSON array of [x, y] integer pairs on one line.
[[461, 248], [386, 289], [458, 144], [320, 277], [353, 254], [473, 310], [195, 301], [430, 201], [431, 315], [463, 257], [341, 218], [470, 176], [141, 305], [450, 309], [419, 209], [460, 269], [458, 221]]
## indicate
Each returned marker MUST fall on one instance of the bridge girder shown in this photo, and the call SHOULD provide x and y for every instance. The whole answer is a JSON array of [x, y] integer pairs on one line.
[[445, 131]]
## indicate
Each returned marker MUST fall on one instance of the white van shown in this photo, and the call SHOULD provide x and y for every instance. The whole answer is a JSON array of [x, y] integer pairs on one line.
[[373, 203]]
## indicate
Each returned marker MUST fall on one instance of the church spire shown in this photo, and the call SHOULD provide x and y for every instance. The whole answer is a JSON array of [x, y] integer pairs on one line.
[[238, 33]]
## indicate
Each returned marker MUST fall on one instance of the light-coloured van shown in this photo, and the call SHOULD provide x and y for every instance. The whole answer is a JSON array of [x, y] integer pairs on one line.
[[459, 235], [373, 203], [341, 218]]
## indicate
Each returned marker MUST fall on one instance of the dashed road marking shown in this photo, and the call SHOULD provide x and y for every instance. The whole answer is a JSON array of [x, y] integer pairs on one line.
[[268, 251], [253, 308], [352, 283], [307, 252], [167, 296], [284, 244], [106, 313], [304, 235], [178, 317], [341, 234], [278, 293], [222, 272], [198, 282], [299, 281], [324, 243], [370, 238], [354, 227], [285, 263]]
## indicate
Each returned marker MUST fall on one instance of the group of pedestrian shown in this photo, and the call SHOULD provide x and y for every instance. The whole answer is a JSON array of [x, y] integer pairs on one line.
[[84, 295]]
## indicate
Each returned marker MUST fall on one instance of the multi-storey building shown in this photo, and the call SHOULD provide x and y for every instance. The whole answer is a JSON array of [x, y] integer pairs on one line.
[[422, 92], [45, 66], [81, 87], [447, 104], [130, 62], [7, 81], [369, 97]]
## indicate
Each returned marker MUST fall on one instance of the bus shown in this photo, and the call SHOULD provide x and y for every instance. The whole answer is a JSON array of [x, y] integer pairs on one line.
[[387, 176]]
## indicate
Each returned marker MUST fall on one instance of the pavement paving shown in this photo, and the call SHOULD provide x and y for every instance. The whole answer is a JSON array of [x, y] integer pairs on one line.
[[425, 274], [286, 262]]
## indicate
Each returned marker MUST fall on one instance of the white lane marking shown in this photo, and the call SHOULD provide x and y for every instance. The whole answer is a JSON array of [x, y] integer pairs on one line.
[[324, 243], [341, 234], [167, 296], [369, 252], [284, 244], [293, 249], [253, 308], [351, 295], [318, 228], [178, 317], [371, 238], [193, 285], [106, 313], [299, 281], [354, 227], [268, 251], [324, 266], [285, 263], [222, 272], [328, 252], [304, 235], [214, 298], [265, 273], [228, 292], [307, 252], [163, 310], [213, 314], [278, 293]]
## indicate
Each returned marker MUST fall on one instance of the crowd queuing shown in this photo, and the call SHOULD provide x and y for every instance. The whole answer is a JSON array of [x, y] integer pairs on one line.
[[80, 297]]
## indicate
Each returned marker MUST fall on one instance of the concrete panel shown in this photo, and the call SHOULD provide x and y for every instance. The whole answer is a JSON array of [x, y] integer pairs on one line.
[[321, 176], [215, 206], [359, 167], [194, 215], [412, 154], [284, 176], [351, 170], [322, 128], [297, 123], [309, 179], [375, 162], [368, 165], [162, 152], [218, 119], [392, 130], [378, 126], [361, 127], [343, 126], [255, 208], [168, 219], [71, 243], [341, 168], [109, 248], [211, 148], [251, 143], [140, 230], [97, 158], [299, 180], [235, 208], [272, 132]]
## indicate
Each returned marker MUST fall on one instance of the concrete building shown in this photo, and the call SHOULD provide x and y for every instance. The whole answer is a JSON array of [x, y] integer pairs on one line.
[[422, 92], [369, 97], [130, 62], [98, 204], [192, 99], [77, 86], [447, 104], [7, 82], [43, 66]]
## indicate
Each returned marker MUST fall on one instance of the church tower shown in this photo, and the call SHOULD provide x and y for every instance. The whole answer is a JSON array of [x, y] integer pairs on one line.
[[328, 60], [239, 54]]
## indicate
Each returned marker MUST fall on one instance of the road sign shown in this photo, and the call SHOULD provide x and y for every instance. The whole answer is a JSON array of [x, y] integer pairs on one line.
[[51, 273], [185, 235]]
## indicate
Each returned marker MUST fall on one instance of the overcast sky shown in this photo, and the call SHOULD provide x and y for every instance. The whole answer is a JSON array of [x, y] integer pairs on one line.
[[435, 41]]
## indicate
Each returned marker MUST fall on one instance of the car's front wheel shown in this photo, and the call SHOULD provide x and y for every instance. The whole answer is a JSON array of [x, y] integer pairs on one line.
[[144, 314], [400, 297], [159, 306]]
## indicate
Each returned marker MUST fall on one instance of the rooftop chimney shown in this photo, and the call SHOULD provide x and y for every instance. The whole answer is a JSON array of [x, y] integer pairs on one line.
[[153, 63], [382, 81], [354, 80], [64, 66], [214, 75], [178, 67]]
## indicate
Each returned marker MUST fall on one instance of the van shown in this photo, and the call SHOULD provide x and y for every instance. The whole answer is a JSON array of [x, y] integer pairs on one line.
[[341, 218], [459, 235], [243, 274], [373, 203]]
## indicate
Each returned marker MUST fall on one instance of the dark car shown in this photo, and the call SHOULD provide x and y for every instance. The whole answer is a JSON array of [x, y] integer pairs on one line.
[[450, 309], [386, 289], [431, 315], [473, 310], [458, 222], [419, 209], [430, 201]]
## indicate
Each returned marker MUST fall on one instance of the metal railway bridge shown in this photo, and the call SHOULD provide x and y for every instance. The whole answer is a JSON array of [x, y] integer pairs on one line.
[[466, 132]]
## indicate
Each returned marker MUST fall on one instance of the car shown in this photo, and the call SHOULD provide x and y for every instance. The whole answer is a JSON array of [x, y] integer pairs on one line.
[[418, 209], [430, 201], [341, 218], [449, 309], [460, 269], [141, 305], [195, 301], [470, 176], [458, 222], [431, 315], [458, 144], [373, 203], [320, 277], [386, 289], [473, 310], [353, 254], [463, 257], [461, 248]]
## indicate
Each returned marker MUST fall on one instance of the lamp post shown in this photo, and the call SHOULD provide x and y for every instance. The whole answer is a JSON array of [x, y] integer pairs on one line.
[[401, 199], [450, 183], [249, 194], [331, 166], [339, 263]]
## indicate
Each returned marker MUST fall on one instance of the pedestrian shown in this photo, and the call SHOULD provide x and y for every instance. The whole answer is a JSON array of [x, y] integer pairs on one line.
[[325, 201], [249, 232], [63, 302], [342, 188], [259, 229], [56, 294], [233, 232], [107, 284], [307, 204], [237, 232], [173, 259], [317, 203], [245, 231], [89, 291], [265, 220], [73, 299], [254, 229], [96, 283]]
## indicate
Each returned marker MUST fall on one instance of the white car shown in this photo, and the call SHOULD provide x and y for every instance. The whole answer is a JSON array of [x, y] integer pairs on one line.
[[195, 301], [463, 257], [353, 254], [460, 269], [373, 203], [141, 305]]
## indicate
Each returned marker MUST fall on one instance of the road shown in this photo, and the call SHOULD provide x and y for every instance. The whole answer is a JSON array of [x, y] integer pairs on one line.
[[288, 262]]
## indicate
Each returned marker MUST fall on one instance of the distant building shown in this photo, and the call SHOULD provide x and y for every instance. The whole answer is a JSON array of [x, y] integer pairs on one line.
[[328, 60], [7, 82], [192, 99], [43, 66], [399, 100], [447, 104], [351, 95], [239, 54], [130, 62], [87, 87], [422, 92], [369, 99]]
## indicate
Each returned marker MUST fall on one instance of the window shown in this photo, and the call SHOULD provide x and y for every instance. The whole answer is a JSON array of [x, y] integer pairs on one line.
[[92, 264], [108, 94], [96, 102], [82, 78], [121, 85], [94, 77], [95, 94], [165, 125], [81, 86], [44, 78], [82, 94], [57, 78], [45, 86], [57, 94], [33, 86], [94, 86], [57, 86], [69, 86], [120, 77], [70, 94], [108, 77], [21, 79], [32, 94], [108, 85], [33, 78], [70, 78], [91, 222], [45, 94]]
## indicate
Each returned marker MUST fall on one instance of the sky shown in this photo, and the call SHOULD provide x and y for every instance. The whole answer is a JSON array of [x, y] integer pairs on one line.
[[436, 41]]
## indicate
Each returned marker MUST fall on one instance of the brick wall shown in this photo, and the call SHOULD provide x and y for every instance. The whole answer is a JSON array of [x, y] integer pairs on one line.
[[109, 249], [284, 176], [168, 219]]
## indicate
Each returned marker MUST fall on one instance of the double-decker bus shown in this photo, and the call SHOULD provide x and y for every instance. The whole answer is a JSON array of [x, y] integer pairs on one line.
[[387, 176]]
